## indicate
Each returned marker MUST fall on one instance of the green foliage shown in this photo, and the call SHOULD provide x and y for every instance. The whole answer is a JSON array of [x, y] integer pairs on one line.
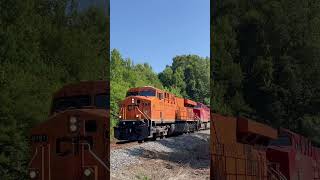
[[266, 64], [188, 76], [42, 48]]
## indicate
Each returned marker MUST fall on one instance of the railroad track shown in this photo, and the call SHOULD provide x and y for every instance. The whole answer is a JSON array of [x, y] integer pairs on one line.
[[124, 144]]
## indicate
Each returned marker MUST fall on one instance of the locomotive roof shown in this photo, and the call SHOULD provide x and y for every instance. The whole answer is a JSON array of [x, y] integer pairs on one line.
[[246, 125], [295, 135], [147, 87], [83, 88]]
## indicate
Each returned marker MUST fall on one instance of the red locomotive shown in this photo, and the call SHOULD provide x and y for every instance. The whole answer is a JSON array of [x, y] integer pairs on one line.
[[244, 149], [148, 112], [295, 156], [73, 142]]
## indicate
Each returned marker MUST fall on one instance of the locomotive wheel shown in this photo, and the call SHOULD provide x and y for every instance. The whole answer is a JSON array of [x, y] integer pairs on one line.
[[140, 141], [154, 137], [161, 135]]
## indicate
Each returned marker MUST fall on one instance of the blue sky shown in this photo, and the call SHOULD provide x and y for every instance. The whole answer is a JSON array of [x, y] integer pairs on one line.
[[154, 31]]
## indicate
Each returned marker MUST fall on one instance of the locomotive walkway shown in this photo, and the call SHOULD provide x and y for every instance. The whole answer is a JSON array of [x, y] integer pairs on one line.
[[182, 157]]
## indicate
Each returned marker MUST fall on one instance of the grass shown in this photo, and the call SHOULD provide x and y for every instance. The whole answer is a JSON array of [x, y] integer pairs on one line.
[[142, 177], [112, 125]]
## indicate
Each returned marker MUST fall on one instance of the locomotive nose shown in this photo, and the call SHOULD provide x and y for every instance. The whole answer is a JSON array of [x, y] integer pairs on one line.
[[135, 108]]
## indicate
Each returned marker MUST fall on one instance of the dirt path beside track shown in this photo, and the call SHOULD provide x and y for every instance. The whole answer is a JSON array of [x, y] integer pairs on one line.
[[175, 158]]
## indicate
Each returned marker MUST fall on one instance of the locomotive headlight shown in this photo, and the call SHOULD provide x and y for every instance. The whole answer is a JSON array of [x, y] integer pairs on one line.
[[73, 127], [73, 124], [87, 172], [132, 101], [120, 116], [73, 120], [33, 174], [137, 116]]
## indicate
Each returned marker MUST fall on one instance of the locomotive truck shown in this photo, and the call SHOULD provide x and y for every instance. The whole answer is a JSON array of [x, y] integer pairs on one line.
[[148, 112], [73, 143]]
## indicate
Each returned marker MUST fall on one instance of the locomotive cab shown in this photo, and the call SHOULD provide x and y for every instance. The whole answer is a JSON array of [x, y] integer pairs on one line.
[[73, 142], [135, 113]]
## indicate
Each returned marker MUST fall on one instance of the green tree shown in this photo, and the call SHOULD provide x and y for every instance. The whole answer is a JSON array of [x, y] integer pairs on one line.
[[265, 61], [42, 48]]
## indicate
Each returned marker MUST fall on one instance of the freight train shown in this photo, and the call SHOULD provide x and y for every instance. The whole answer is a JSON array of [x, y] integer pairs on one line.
[[245, 149], [148, 112], [73, 143]]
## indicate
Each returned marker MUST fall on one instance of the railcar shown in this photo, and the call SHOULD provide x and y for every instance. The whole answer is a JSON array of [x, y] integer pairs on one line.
[[73, 142], [202, 112], [148, 112], [297, 158]]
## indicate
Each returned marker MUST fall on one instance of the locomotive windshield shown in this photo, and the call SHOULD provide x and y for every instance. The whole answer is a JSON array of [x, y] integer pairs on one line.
[[142, 93], [281, 141], [64, 103], [101, 101]]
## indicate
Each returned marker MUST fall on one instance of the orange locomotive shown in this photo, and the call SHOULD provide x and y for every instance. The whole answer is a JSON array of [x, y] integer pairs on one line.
[[148, 112], [73, 142]]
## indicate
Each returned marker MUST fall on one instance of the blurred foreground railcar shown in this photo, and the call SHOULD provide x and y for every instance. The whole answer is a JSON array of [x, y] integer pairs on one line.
[[238, 148], [248, 150], [73, 142], [148, 112]]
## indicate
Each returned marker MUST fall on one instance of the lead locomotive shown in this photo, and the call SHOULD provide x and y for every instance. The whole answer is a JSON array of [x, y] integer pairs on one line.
[[148, 112]]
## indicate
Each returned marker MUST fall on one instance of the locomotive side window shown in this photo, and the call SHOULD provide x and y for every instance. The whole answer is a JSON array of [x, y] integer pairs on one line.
[[102, 101], [281, 141], [64, 103], [160, 96]]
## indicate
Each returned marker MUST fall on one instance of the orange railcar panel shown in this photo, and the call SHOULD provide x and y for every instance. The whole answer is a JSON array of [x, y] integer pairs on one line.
[[231, 159]]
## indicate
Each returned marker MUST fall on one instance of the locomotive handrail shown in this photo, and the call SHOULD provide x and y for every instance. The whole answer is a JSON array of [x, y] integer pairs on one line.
[[276, 173], [95, 156], [146, 116], [33, 157]]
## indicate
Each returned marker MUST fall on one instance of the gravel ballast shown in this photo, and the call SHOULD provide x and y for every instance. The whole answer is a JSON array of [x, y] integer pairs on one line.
[[180, 157]]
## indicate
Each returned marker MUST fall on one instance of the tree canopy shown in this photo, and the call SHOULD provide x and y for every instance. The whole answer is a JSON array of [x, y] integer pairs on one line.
[[44, 45], [265, 62]]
